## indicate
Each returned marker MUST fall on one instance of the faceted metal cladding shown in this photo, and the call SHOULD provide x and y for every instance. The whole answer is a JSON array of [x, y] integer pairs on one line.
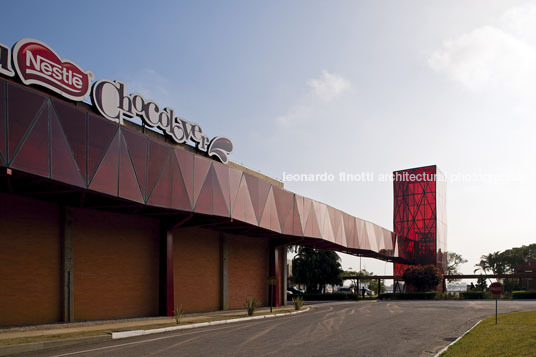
[[57, 140], [420, 216]]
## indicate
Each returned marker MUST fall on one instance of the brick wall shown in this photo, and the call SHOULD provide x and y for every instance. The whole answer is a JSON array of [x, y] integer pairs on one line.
[[196, 263], [30, 261], [248, 270], [116, 271], [116, 265]]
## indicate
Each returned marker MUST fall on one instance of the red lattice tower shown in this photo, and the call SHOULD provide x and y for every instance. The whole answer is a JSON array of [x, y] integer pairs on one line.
[[419, 217]]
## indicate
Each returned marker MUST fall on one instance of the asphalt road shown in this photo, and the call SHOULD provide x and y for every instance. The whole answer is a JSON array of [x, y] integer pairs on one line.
[[366, 328]]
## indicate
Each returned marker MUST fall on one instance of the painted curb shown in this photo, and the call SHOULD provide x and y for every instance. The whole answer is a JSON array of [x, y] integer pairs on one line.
[[40, 346], [456, 340], [127, 334]]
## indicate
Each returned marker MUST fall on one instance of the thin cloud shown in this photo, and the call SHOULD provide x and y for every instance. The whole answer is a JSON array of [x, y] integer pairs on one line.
[[296, 113], [322, 91], [328, 86], [493, 58]]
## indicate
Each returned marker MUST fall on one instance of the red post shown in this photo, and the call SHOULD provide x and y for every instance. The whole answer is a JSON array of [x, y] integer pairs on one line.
[[170, 299], [277, 287], [275, 271]]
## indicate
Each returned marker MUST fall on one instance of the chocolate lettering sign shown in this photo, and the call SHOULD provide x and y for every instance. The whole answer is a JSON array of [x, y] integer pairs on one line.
[[112, 101], [37, 64]]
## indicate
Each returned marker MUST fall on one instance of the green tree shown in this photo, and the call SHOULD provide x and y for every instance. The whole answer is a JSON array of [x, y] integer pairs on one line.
[[422, 278], [516, 259], [510, 261], [316, 268], [494, 262], [454, 260], [373, 285], [481, 283]]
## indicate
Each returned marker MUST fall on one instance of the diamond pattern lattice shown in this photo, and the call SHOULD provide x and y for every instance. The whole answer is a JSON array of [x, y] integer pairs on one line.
[[52, 138]]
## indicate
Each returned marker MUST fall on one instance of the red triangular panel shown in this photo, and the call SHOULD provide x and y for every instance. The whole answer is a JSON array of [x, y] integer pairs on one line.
[[307, 206], [338, 229], [137, 148], [349, 231], [378, 232], [334, 220], [361, 233], [320, 215], [24, 106], [222, 175], [128, 183], [204, 199], [311, 228], [63, 165], [340, 238], [201, 166], [235, 177], [298, 202], [297, 229], [179, 195], [186, 164], [253, 186], [283, 202], [105, 178], [33, 156], [73, 123], [243, 208], [265, 219], [327, 229], [371, 235], [263, 188], [158, 156], [288, 226], [161, 194], [220, 204], [269, 218], [100, 133]]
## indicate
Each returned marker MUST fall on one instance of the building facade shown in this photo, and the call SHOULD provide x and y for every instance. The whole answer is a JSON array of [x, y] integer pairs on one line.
[[102, 218]]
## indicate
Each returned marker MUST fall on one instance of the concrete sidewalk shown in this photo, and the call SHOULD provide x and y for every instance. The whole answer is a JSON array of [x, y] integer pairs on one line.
[[34, 338]]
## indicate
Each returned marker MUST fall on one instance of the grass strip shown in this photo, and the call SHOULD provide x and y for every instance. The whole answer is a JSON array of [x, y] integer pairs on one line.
[[514, 335]]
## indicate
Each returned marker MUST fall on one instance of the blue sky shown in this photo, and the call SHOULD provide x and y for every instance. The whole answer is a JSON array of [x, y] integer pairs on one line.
[[339, 86]]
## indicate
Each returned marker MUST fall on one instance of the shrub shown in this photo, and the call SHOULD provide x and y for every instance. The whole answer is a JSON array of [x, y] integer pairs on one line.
[[334, 296], [178, 312], [423, 278], [298, 302], [511, 285], [524, 294], [447, 296], [252, 305], [472, 295], [423, 295], [506, 295]]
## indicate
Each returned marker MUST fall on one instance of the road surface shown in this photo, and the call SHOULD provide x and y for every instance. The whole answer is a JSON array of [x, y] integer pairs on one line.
[[365, 328]]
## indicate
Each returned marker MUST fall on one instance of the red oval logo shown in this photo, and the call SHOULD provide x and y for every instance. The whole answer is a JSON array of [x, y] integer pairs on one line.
[[36, 63]]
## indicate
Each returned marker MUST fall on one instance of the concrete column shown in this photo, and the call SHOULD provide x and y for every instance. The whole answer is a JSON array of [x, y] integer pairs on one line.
[[224, 271], [67, 264]]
